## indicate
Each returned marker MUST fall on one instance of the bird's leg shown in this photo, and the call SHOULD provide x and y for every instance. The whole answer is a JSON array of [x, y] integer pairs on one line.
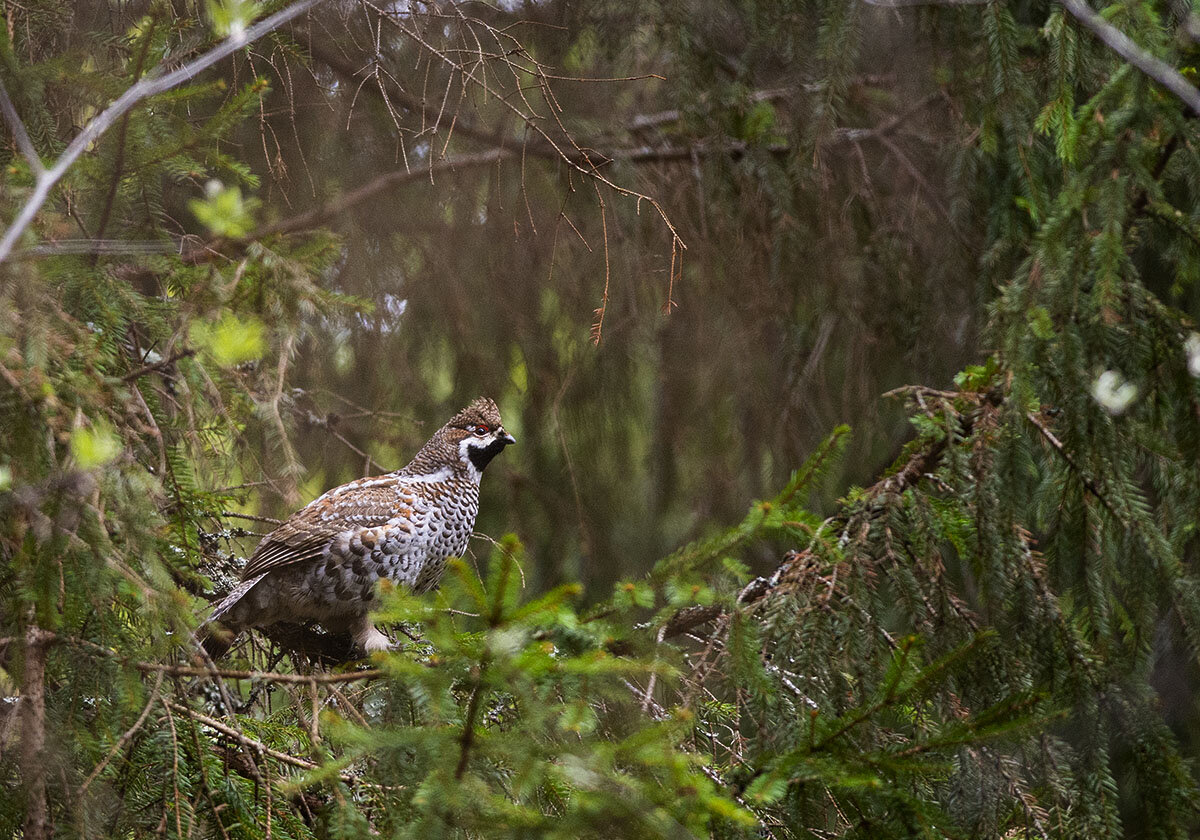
[[367, 636]]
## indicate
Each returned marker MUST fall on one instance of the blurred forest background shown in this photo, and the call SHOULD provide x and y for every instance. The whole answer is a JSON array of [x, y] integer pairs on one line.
[[680, 244], [826, 260]]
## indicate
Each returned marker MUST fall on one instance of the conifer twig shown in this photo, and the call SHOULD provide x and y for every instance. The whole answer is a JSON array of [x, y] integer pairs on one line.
[[1123, 45], [151, 85], [124, 739], [1087, 480]]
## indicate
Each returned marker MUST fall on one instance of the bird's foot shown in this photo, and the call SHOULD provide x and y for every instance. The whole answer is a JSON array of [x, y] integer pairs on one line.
[[371, 640]]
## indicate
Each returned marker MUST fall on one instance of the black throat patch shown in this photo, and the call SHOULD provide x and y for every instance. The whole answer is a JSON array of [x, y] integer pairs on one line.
[[482, 456]]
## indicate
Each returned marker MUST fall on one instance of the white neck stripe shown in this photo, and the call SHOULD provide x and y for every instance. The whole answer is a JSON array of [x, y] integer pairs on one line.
[[431, 478]]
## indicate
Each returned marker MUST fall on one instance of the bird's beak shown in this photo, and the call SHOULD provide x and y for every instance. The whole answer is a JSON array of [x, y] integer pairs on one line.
[[507, 438]]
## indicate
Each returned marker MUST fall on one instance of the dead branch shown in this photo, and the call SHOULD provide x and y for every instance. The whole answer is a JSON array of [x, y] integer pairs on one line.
[[264, 676], [348, 69], [1087, 480], [243, 738]]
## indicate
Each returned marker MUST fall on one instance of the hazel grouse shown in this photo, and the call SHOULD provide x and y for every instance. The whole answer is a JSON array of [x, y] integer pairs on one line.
[[324, 562]]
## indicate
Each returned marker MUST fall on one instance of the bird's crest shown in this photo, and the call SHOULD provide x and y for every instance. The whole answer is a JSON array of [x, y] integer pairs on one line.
[[482, 410]]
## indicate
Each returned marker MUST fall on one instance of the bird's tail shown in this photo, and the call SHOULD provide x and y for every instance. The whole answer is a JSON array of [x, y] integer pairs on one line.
[[218, 633]]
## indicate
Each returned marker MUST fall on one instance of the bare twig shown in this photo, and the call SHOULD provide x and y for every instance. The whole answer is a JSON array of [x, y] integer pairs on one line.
[[577, 161], [265, 676], [151, 85], [245, 739], [346, 67], [598, 326], [315, 217], [268, 520]]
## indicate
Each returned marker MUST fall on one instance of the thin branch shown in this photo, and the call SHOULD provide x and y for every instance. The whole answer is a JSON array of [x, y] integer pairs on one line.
[[19, 133], [889, 125], [1087, 480], [124, 739], [317, 216], [468, 733], [1123, 45], [583, 164], [268, 520], [151, 85], [245, 739], [61, 247], [134, 375], [900, 4], [265, 676], [314, 218], [344, 67], [118, 167]]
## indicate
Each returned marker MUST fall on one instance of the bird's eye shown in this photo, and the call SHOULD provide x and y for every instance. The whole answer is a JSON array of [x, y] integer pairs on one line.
[[480, 430]]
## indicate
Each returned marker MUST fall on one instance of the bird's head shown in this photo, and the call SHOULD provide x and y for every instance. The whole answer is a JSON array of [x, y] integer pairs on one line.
[[477, 434]]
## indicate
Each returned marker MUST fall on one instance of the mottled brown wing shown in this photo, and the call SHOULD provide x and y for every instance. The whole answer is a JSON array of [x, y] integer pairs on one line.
[[362, 504]]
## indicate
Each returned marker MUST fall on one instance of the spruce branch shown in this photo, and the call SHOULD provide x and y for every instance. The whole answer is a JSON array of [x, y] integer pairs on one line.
[[1123, 45], [1087, 480], [125, 737], [152, 85]]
